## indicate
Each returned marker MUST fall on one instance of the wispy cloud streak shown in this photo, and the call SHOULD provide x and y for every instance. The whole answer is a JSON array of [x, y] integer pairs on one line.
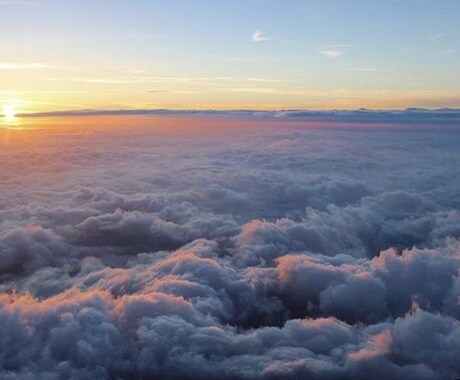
[[258, 36], [24, 66]]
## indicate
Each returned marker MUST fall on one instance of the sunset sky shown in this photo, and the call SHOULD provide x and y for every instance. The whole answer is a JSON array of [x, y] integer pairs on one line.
[[229, 189], [178, 54]]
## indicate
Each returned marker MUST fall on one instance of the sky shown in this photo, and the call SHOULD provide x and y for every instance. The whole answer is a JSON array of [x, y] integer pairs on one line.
[[272, 54], [226, 190]]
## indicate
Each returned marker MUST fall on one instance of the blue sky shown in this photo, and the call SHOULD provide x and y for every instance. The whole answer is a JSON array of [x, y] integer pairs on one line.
[[216, 54]]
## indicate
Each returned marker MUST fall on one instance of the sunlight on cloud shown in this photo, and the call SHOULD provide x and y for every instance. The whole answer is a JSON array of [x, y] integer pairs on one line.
[[185, 251]]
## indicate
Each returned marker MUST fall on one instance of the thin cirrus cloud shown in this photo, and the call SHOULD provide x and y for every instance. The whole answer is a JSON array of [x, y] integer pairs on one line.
[[437, 37], [209, 80], [447, 52], [331, 53], [258, 36], [23, 66], [366, 69]]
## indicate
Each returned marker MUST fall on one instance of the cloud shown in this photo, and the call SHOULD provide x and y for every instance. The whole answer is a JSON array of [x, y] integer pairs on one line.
[[447, 51], [366, 69], [437, 37], [258, 36], [409, 115], [278, 250], [331, 53], [24, 66]]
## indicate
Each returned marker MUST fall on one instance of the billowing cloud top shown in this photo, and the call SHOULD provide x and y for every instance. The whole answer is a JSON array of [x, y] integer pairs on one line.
[[256, 253]]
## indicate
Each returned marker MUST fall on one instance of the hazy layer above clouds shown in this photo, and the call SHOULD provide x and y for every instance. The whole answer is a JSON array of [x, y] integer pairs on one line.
[[235, 253], [446, 116]]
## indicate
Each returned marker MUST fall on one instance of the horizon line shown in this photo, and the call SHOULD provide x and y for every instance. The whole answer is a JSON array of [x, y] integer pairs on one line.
[[410, 114]]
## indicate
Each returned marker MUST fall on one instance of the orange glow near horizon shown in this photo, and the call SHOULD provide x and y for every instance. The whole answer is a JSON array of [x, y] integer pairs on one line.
[[167, 125], [197, 98], [214, 93]]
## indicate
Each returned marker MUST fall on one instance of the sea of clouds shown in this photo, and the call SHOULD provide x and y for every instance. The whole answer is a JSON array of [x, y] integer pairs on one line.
[[273, 252]]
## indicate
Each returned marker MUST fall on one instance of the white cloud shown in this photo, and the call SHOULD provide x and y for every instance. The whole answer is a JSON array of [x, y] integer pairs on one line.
[[258, 36], [331, 53], [144, 252]]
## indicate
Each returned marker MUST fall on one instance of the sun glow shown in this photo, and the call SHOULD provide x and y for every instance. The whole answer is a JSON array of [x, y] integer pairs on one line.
[[9, 113]]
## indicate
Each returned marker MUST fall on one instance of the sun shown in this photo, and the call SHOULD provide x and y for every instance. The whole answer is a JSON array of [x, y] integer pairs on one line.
[[9, 113]]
